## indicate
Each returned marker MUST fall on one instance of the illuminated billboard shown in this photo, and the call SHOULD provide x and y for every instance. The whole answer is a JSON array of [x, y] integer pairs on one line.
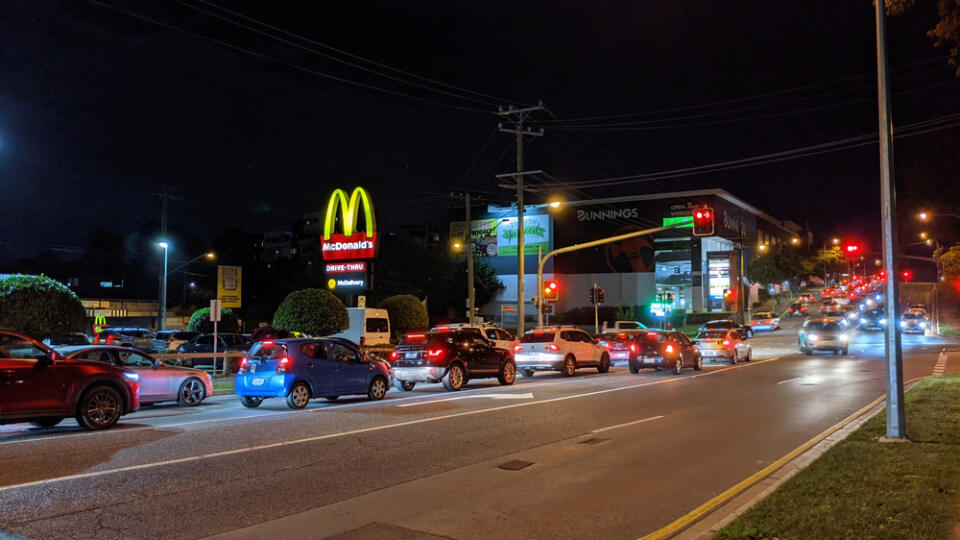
[[350, 243]]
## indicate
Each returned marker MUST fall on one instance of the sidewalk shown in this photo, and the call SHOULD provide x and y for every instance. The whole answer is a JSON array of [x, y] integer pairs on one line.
[[861, 488]]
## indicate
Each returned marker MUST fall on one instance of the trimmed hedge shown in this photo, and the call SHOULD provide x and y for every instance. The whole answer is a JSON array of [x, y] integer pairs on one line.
[[40, 307], [200, 321], [316, 312], [407, 313]]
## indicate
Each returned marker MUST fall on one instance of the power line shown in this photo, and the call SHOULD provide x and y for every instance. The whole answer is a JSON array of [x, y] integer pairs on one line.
[[285, 63], [322, 54], [361, 58]]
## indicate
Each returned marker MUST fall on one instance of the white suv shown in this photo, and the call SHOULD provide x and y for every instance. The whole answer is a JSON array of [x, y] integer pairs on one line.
[[501, 338], [563, 349]]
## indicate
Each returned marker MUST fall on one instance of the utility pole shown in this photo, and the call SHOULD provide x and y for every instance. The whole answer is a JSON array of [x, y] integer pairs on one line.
[[896, 428], [469, 249], [518, 116]]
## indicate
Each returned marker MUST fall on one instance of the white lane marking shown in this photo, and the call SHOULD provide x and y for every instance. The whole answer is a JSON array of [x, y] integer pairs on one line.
[[941, 366], [528, 395], [281, 444], [626, 424], [788, 380]]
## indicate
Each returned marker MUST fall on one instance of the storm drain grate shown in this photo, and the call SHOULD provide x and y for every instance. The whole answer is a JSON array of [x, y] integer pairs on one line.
[[594, 440], [515, 465]]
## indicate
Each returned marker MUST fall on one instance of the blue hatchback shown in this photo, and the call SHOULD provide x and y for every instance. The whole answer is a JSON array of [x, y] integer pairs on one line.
[[302, 369]]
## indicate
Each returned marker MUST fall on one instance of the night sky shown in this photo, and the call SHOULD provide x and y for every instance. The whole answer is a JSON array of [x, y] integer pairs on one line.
[[98, 108]]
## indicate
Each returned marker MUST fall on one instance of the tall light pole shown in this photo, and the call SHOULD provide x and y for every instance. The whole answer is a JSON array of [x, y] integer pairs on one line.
[[163, 286], [896, 427]]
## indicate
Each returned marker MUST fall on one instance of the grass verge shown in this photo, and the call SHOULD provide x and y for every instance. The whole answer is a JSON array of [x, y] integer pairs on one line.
[[861, 488], [223, 382]]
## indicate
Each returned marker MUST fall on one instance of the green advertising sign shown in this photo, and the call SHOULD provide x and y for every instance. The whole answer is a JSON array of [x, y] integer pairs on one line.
[[688, 220]]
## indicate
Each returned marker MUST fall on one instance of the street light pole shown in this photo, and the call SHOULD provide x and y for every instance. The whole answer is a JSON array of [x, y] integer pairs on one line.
[[896, 428], [471, 298], [163, 287]]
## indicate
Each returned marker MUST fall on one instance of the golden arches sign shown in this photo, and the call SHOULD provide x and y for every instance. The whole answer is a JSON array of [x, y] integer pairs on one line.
[[351, 243]]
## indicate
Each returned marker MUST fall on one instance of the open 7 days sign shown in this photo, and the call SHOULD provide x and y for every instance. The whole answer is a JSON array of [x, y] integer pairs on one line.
[[350, 243]]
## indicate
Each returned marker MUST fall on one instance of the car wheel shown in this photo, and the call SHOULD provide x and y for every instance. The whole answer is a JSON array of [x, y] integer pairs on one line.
[[604, 363], [733, 357], [299, 396], [508, 373], [378, 389], [404, 386], [331, 398], [808, 352], [678, 365], [454, 379], [251, 402], [100, 408], [634, 369], [191, 393], [699, 363], [528, 372], [750, 355], [845, 351], [46, 422], [569, 366]]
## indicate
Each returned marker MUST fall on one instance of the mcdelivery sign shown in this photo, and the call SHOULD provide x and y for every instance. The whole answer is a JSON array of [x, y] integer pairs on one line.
[[350, 243]]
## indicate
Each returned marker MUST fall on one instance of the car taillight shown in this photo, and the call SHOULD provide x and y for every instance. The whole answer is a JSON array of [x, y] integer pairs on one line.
[[726, 343], [363, 341], [436, 352], [552, 347], [517, 348], [394, 355], [283, 365], [669, 348], [243, 365], [633, 347], [110, 339]]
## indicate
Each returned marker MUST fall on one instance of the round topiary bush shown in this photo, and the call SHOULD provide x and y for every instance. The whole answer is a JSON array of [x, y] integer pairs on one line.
[[407, 313], [200, 321], [40, 307], [311, 311]]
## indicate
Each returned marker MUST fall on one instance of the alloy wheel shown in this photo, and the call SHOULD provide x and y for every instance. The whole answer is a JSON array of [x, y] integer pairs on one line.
[[102, 408], [191, 393]]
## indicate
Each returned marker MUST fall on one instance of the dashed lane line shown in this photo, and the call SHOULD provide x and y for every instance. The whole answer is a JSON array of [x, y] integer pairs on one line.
[[328, 436]]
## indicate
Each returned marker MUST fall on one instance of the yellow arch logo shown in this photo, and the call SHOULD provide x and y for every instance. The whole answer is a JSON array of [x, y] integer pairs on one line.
[[349, 213]]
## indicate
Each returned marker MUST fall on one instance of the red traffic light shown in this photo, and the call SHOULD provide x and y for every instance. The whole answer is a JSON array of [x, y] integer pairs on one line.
[[907, 275], [703, 222], [551, 290]]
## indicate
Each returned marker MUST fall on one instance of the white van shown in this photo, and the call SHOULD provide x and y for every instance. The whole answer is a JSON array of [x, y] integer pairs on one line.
[[368, 326]]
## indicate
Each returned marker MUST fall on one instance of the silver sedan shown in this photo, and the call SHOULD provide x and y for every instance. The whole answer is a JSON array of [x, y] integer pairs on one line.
[[158, 381]]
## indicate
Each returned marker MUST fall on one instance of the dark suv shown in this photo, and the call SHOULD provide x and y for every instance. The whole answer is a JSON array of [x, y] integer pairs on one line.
[[204, 344], [40, 386], [451, 357]]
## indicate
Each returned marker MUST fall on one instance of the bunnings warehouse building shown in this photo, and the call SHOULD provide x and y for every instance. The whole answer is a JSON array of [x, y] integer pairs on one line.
[[696, 270]]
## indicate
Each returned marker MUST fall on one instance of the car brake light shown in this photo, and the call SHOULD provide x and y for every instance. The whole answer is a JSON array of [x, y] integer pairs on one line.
[[415, 337], [669, 348], [283, 366], [633, 347], [517, 348], [436, 352], [363, 341], [552, 347], [394, 355], [243, 365], [268, 343], [443, 329], [621, 335], [726, 343], [651, 334], [110, 338]]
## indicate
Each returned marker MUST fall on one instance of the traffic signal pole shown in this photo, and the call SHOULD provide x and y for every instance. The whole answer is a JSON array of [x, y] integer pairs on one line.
[[587, 245], [896, 427]]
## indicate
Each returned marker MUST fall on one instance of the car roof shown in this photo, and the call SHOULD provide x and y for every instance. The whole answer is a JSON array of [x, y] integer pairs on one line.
[[71, 349]]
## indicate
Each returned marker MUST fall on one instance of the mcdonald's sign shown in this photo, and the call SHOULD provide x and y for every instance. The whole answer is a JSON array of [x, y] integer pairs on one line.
[[349, 243]]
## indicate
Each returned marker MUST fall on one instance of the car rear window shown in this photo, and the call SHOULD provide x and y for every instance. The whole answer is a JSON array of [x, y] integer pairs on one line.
[[437, 338], [713, 335], [911, 316], [265, 350], [378, 325], [538, 337]]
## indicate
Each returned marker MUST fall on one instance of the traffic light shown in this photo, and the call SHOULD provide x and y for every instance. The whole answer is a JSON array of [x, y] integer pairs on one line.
[[907, 275], [600, 295], [551, 291], [703, 221], [852, 251]]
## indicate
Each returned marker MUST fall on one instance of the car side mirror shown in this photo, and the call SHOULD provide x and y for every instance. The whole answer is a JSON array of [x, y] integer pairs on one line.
[[44, 360]]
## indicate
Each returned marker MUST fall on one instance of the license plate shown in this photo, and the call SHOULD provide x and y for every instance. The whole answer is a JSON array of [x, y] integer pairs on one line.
[[257, 381], [620, 355], [410, 355]]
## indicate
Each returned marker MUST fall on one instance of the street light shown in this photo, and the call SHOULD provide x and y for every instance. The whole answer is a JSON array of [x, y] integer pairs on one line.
[[923, 235], [457, 245], [762, 247], [163, 285], [794, 240], [835, 240], [555, 203]]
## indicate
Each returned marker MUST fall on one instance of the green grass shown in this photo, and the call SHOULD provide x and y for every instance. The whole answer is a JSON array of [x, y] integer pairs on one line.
[[223, 382], [861, 488]]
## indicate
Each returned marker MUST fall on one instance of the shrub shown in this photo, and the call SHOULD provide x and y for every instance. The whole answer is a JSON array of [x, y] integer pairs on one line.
[[406, 312], [268, 332], [311, 311], [40, 307], [200, 321]]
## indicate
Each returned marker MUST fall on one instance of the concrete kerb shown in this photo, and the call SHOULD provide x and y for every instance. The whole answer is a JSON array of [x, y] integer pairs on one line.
[[710, 524]]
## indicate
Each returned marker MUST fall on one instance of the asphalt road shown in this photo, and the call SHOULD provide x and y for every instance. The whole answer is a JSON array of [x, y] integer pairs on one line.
[[599, 456]]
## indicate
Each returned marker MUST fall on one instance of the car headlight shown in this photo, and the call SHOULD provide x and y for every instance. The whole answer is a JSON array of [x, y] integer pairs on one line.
[[923, 325], [883, 321], [130, 376], [813, 337], [903, 324], [844, 337]]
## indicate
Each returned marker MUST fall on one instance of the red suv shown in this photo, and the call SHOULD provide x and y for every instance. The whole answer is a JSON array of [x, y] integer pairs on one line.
[[40, 386]]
